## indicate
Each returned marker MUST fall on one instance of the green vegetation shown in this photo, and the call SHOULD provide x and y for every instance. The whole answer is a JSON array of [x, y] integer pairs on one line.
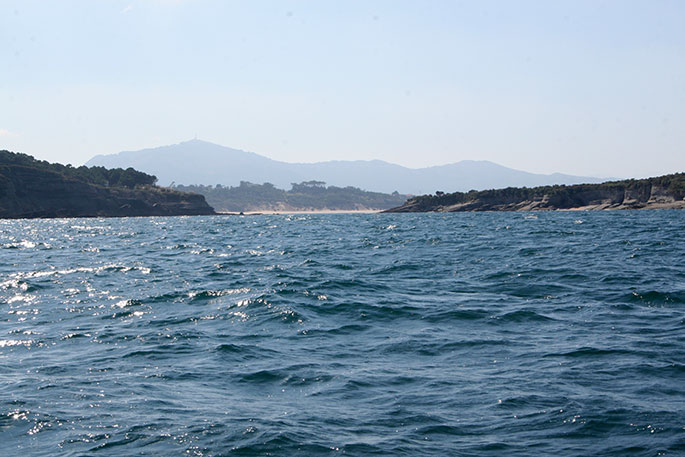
[[630, 193], [308, 195], [31, 188], [101, 176]]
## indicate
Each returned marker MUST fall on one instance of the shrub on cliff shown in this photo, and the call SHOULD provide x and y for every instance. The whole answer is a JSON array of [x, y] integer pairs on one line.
[[116, 177]]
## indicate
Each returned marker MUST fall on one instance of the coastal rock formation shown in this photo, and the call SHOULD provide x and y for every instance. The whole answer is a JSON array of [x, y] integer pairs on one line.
[[32, 189], [653, 193]]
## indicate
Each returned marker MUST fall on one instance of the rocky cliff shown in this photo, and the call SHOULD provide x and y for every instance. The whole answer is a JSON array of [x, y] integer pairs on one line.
[[652, 193], [31, 189]]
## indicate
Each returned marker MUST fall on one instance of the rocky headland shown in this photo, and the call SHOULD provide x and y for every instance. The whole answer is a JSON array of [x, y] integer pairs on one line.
[[663, 192], [30, 188]]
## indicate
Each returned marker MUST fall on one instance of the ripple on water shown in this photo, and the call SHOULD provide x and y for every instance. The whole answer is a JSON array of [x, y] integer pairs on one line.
[[436, 334]]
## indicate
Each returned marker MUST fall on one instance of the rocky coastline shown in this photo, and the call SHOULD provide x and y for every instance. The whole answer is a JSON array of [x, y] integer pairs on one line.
[[663, 192], [36, 189]]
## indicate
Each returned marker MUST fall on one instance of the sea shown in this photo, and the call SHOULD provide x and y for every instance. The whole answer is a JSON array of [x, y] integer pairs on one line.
[[461, 334]]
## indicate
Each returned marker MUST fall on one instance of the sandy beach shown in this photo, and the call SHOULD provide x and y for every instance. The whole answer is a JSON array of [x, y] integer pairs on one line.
[[320, 211]]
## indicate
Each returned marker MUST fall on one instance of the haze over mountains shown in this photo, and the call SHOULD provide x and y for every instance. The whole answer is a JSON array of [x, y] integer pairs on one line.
[[201, 162]]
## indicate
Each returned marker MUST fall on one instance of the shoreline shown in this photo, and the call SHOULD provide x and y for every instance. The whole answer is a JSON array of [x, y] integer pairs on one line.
[[315, 211], [677, 205]]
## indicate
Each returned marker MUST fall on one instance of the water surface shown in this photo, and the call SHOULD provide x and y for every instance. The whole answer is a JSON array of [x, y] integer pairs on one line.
[[409, 334]]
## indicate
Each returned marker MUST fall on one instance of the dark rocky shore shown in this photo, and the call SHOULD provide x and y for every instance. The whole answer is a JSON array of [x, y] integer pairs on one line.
[[36, 189], [663, 192]]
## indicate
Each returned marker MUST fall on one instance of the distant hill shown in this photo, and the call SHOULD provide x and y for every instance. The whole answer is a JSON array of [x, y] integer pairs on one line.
[[663, 192], [200, 162], [306, 196], [31, 188]]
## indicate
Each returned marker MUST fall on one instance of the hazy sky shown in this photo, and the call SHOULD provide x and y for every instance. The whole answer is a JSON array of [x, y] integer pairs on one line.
[[584, 87]]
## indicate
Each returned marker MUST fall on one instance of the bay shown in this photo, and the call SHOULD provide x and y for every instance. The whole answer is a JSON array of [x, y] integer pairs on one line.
[[479, 334]]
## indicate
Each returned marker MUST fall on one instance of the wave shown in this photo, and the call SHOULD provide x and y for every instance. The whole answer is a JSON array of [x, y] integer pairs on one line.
[[523, 316], [446, 334]]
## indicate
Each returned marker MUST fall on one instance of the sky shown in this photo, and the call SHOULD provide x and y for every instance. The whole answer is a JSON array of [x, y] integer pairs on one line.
[[593, 88]]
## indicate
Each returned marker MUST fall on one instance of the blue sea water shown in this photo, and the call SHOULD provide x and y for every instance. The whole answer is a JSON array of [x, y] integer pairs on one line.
[[477, 334]]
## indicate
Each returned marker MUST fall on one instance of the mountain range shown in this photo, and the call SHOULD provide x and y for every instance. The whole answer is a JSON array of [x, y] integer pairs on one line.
[[201, 162]]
